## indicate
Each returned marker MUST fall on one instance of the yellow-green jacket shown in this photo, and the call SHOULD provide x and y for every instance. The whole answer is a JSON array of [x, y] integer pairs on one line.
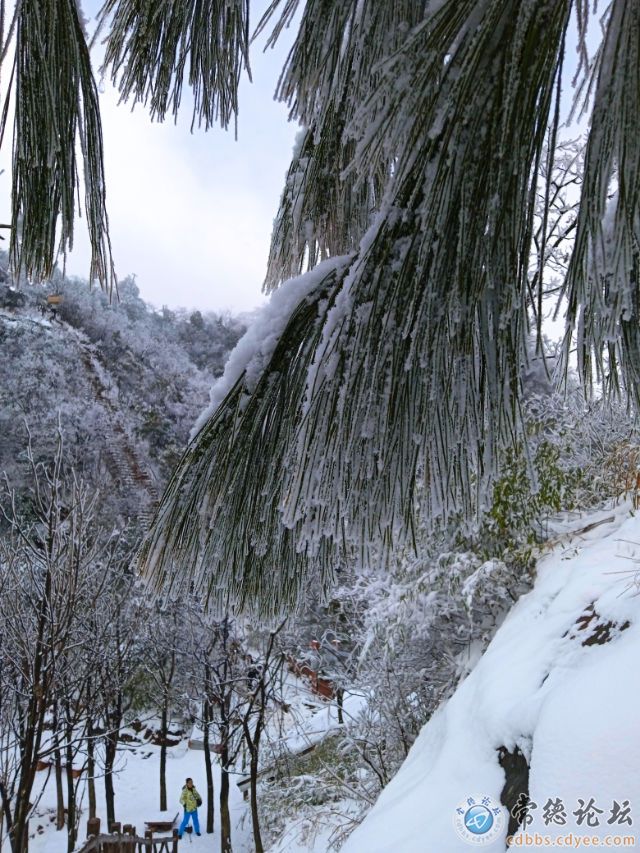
[[189, 798]]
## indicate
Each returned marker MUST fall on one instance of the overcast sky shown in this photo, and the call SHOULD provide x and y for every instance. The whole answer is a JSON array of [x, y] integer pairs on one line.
[[191, 214]]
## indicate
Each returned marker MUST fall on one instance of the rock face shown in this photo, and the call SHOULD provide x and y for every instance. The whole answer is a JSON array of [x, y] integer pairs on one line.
[[516, 784], [546, 723]]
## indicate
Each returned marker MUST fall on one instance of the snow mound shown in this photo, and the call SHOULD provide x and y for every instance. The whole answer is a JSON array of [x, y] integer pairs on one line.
[[560, 683]]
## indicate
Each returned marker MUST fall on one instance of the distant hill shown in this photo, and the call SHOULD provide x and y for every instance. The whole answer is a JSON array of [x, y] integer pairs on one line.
[[125, 382]]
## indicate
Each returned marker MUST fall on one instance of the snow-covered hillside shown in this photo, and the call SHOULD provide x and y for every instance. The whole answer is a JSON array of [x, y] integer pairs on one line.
[[99, 368], [559, 682]]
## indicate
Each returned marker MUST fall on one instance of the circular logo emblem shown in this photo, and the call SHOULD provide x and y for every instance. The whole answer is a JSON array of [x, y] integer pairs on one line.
[[479, 820]]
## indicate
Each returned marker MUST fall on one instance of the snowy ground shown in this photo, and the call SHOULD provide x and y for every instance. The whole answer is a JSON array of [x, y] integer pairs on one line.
[[137, 800], [561, 681], [308, 721]]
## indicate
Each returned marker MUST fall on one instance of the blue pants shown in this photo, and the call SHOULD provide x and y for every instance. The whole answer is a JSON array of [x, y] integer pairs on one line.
[[185, 821]]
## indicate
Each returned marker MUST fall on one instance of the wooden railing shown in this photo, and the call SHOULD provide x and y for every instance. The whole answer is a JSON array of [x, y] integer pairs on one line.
[[319, 685], [126, 841]]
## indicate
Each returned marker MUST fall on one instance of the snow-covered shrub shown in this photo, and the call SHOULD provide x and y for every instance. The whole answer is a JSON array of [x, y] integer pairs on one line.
[[577, 455], [525, 495], [322, 789]]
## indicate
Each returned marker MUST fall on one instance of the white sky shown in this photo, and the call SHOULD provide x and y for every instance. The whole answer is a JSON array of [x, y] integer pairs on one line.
[[191, 214]]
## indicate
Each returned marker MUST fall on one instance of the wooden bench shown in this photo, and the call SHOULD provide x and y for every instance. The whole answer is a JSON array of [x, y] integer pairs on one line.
[[161, 824]]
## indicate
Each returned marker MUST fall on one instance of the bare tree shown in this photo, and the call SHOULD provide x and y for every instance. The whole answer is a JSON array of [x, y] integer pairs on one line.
[[117, 674], [165, 657], [53, 560], [218, 650], [262, 693], [237, 687]]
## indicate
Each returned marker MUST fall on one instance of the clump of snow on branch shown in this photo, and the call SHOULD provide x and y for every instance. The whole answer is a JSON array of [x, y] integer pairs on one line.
[[253, 351]]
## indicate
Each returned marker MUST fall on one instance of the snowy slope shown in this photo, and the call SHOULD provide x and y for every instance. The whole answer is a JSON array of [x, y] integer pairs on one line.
[[561, 681]]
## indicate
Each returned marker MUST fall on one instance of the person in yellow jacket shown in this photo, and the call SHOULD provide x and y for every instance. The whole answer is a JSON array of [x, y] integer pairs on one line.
[[190, 799]]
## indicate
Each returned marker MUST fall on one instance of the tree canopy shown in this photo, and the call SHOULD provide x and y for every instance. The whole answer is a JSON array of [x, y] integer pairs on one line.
[[387, 379]]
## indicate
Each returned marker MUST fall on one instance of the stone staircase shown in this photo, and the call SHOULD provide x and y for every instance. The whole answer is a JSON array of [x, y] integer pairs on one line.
[[124, 461]]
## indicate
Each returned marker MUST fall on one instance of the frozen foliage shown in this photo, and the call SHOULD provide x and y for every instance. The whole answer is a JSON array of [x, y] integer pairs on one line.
[[430, 154], [427, 154], [602, 279], [214, 37], [57, 134], [429, 137]]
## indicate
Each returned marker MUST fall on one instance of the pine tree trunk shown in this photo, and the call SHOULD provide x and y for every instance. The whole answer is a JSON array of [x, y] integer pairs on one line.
[[225, 819], [163, 754], [57, 769], [91, 770], [208, 768]]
